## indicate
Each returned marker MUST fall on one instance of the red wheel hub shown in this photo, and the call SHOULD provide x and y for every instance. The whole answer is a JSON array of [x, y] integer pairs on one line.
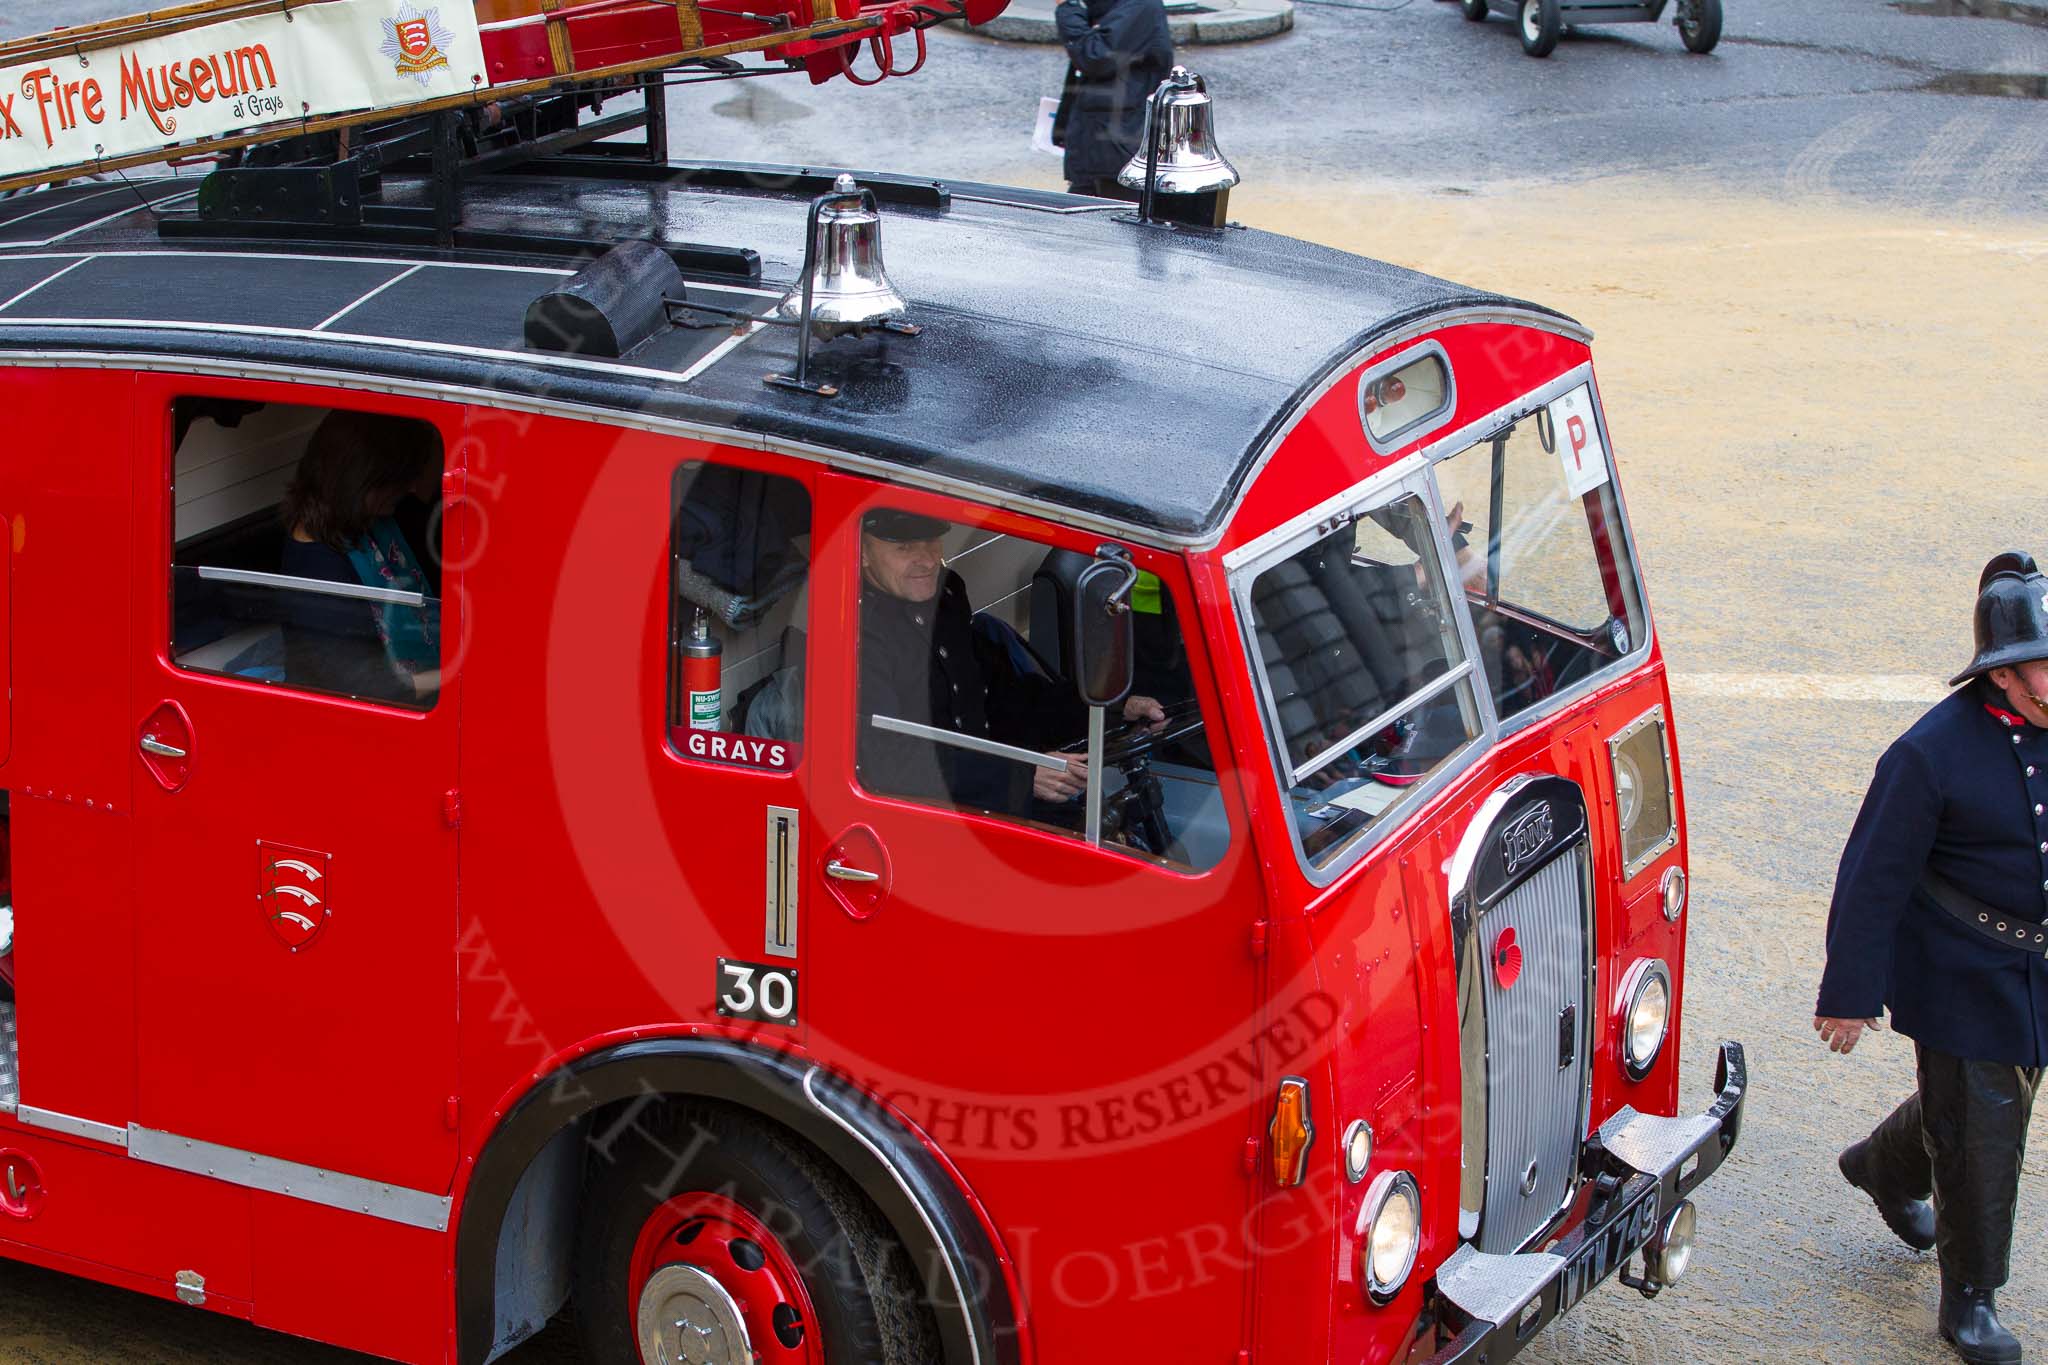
[[725, 1242]]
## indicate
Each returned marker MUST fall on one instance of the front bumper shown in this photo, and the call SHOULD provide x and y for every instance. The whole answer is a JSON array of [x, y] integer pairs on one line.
[[1653, 1162]]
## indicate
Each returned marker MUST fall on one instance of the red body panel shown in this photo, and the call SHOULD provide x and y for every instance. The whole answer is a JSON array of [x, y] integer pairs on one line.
[[1088, 1042]]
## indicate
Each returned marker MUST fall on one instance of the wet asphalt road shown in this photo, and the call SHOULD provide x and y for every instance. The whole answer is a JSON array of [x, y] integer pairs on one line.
[[1821, 289]]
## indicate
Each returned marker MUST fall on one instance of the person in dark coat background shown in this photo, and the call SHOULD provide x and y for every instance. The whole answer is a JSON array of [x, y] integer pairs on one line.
[[1120, 51], [1938, 914]]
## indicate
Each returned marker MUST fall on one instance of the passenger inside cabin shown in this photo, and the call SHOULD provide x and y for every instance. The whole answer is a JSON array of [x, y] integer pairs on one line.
[[340, 517], [924, 660]]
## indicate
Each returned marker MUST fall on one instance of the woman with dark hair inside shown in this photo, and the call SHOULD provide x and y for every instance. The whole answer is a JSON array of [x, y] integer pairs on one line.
[[339, 519]]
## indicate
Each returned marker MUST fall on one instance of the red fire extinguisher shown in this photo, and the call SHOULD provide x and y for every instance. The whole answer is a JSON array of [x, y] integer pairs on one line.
[[704, 690]]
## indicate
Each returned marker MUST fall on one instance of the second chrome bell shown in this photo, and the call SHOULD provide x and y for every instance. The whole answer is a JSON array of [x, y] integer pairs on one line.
[[1180, 138], [849, 289]]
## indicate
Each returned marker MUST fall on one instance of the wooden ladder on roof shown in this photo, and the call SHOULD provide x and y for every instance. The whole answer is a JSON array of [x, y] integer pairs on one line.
[[559, 16]]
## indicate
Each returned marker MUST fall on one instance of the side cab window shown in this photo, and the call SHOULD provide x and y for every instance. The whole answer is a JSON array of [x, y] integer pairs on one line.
[[307, 548], [967, 701], [739, 590]]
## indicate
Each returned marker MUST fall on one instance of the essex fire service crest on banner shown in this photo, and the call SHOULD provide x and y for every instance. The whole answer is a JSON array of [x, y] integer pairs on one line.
[[293, 888], [415, 42]]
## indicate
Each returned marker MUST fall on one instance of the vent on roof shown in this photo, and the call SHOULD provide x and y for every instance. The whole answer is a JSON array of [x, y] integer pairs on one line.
[[610, 306]]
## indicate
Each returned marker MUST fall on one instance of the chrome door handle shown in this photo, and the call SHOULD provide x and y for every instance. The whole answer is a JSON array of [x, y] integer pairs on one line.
[[842, 872], [152, 745]]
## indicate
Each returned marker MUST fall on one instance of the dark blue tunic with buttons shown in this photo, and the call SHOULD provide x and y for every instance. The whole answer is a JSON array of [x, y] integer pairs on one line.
[[1964, 793]]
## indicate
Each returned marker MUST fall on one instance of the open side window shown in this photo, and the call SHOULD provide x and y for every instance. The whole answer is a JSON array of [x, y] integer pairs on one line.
[[307, 549], [1542, 556], [968, 701]]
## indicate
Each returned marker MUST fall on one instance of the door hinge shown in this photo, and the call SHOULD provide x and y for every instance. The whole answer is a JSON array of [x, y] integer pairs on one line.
[[1259, 932], [191, 1288], [1244, 1358], [451, 808], [1251, 1156], [454, 1114]]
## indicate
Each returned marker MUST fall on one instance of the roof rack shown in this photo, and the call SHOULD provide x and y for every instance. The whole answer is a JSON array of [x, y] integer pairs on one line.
[[222, 76]]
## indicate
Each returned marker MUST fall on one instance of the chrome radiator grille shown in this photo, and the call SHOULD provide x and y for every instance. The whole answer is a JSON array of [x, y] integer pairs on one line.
[[1538, 1036]]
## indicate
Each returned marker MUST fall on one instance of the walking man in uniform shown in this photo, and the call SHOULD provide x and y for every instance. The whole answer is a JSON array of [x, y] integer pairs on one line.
[[1938, 914], [1119, 50]]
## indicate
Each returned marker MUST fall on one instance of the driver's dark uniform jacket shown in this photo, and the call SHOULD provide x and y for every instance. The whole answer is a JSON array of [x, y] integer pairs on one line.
[[1963, 796], [927, 662]]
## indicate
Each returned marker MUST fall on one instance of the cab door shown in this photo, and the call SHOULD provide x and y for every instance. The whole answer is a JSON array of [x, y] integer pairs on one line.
[[295, 849], [1071, 1025]]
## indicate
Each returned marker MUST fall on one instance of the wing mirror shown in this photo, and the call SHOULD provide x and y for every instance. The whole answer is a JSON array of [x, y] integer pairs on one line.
[[1103, 631]]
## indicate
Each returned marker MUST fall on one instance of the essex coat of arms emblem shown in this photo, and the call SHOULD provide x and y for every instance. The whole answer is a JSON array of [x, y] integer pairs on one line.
[[416, 42]]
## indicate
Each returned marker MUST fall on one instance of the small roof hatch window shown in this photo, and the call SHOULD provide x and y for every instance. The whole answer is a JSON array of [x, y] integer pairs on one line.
[[1405, 398]]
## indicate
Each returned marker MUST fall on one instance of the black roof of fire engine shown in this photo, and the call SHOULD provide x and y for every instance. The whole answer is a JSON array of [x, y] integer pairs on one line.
[[1070, 355]]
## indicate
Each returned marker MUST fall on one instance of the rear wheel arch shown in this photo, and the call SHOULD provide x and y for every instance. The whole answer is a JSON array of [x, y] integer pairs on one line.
[[596, 1098]]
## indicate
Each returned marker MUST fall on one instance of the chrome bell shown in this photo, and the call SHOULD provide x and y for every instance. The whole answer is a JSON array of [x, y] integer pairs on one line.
[[1180, 123], [848, 291]]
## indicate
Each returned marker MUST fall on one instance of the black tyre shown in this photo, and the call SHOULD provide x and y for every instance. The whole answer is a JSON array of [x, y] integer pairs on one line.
[[1699, 25], [1541, 23], [707, 1221], [1475, 10]]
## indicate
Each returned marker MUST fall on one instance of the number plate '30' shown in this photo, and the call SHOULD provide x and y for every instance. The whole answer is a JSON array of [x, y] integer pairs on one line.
[[755, 990]]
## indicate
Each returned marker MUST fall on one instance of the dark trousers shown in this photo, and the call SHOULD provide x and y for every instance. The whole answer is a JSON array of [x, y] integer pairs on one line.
[[1961, 1139], [1102, 187]]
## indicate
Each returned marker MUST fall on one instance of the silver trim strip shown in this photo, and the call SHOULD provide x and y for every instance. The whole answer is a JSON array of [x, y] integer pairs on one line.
[[1381, 721], [500, 400], [112, 1134], [975, 743], [931, 1228], [321, 587], [352, 1194]]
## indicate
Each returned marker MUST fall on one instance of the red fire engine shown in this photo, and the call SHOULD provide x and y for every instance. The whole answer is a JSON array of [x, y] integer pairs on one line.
[[566, 743]]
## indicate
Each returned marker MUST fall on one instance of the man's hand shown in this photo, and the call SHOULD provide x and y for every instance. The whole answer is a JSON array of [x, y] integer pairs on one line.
[[1841, 1034], [1060, 784], [1145, 709]]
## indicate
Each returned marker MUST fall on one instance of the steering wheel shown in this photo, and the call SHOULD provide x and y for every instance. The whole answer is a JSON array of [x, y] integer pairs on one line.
[[1137, 813], [1136, 740]]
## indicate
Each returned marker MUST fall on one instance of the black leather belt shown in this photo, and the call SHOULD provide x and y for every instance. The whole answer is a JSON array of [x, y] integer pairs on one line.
[[1988, 921]]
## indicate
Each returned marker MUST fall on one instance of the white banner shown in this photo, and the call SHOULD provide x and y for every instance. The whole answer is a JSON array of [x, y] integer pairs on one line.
[[237, 76]]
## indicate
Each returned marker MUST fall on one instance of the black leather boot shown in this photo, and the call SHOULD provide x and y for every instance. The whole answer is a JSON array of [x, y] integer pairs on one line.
[[1911, 1219], [1969, 1322]]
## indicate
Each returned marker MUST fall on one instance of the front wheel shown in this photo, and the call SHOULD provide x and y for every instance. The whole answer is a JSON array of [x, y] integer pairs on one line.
[[1699, 25], [1542, 22], [1475, 10], [748, 1249]]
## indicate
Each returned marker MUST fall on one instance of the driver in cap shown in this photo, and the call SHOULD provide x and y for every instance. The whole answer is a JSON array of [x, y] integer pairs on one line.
[[925, 658], [1938, 915]]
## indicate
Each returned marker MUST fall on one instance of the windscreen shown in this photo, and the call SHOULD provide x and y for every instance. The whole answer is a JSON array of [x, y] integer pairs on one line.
[[1367, 679]]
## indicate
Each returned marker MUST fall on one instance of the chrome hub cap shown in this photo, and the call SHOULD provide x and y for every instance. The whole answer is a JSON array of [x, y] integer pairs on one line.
[[687, 1318], [1532, 19]]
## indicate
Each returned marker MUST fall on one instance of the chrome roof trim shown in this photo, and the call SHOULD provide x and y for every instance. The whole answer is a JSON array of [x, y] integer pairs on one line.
[[1457, 317], [503, 400]]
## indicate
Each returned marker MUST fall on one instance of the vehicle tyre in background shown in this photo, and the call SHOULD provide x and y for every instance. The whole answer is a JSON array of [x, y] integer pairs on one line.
[[710, 1222], [1542, 22], [1475, 10], [1699, 24]]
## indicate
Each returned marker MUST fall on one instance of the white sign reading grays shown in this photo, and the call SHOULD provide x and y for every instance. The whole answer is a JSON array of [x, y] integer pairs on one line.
[[214, 80], [1576, 436]]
